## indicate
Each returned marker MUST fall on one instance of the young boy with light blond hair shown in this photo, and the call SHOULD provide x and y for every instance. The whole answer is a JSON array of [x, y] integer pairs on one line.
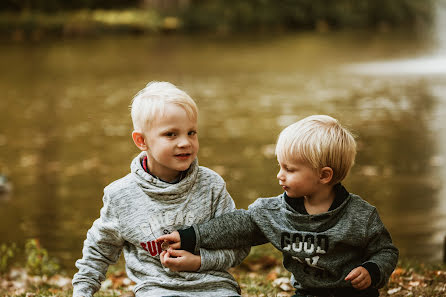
[[165, 190], [333, 242]]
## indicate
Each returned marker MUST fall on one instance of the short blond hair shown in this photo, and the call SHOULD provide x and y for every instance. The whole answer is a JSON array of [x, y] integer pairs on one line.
[[320, 141], [149, 103]]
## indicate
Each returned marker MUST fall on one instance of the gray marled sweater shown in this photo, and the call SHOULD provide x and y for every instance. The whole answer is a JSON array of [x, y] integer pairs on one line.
[[319, 250], [137, 209]]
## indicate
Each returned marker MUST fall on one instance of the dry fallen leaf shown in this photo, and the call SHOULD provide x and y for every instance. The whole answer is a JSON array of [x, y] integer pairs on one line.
[[272, 276], [393, 291]]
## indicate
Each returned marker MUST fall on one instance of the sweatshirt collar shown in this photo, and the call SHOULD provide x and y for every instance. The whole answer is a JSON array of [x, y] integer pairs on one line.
[[146, 169], [161, 190], [297, 204]]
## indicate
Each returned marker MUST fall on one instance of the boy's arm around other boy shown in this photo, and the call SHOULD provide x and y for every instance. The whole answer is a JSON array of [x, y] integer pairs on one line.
[[102, 247]]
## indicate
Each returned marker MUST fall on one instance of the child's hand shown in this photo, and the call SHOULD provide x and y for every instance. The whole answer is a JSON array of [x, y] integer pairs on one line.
[[182, 261], [173, 239], [360, 278]]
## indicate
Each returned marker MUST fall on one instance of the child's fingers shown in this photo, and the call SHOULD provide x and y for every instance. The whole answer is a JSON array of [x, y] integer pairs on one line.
[[172, 238], [168, 261], [171, 244], [360, 278], [353, 274], [357, 280], [176, 253], [167, 237], [172, 260], [175, 246], [163, 253], [363, 284]]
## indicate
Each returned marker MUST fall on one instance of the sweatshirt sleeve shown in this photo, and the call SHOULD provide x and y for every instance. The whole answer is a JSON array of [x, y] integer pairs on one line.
[[232, 230], [380, 249], [101, 248], [222, 259]]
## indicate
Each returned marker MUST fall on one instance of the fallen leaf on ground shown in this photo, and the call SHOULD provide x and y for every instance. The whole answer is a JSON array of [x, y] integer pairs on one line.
[[393, 291]]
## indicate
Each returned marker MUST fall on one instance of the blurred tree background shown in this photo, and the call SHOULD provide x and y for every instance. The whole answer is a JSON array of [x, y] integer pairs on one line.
[[87, 16], [58, 5]]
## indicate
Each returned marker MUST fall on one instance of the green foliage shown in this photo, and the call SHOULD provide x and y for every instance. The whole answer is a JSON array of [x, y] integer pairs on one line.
[[38, 261], [7, 253], [230, 15], [81, 22], [96, 16], [59, 5]]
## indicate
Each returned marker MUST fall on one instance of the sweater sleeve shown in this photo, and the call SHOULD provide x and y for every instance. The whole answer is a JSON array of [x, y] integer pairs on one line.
[[380, 249], [232, 230], [102, 247], [222, 259]]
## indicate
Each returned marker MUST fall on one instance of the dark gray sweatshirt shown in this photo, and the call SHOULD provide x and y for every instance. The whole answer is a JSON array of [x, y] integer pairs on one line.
[[319, 250]]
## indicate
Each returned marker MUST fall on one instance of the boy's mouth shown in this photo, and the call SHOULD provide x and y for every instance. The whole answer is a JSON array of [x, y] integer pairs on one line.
[[284, 187], [183, 156]]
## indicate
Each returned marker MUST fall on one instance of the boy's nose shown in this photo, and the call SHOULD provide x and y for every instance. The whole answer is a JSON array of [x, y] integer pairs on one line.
[[280, 175], [184, 142]]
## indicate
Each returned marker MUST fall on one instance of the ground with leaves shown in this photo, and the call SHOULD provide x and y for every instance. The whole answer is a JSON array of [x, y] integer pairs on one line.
[[261, 274]]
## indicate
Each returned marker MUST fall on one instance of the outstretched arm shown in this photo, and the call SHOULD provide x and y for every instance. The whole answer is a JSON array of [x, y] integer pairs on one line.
[[231, 230], [211, 258]]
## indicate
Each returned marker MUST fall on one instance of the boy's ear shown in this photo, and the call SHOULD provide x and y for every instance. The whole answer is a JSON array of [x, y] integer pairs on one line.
[[138, 139], [326, 175]]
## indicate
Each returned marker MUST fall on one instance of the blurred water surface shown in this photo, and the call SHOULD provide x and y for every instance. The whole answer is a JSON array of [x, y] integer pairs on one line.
[[65, 125]]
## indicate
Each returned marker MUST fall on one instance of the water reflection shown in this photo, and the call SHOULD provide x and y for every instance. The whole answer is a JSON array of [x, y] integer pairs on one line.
[[419, 66], [65, 126]]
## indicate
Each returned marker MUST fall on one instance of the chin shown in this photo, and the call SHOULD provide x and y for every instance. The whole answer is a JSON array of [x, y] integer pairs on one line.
[[291, 195], [185, 167]]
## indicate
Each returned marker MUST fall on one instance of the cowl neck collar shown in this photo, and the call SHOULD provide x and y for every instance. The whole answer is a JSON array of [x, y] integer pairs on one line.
[[161, 190]]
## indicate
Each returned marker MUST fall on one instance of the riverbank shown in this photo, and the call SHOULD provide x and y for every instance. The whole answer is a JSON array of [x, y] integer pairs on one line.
[[261, 274], [218, 18], [82, 23]]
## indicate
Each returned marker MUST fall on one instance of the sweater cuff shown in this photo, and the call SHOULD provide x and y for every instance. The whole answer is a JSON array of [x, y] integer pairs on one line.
[[375, 273], [83, 290], [188, 239]]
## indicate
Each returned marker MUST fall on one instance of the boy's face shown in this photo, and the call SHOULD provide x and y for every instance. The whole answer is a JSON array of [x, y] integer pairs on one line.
[[172, 143], [298, 179]]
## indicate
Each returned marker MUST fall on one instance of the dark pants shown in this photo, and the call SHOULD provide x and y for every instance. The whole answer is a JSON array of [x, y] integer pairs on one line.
[[341, 292]]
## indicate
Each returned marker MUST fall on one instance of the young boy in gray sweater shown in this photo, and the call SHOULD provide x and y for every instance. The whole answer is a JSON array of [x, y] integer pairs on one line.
[[165, 190], [333, 242]]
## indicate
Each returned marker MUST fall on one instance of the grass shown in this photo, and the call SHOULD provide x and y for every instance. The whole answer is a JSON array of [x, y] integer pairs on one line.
[[260, 274]]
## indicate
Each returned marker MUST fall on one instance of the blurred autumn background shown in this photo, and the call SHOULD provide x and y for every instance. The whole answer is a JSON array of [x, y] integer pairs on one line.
[[71, 68]]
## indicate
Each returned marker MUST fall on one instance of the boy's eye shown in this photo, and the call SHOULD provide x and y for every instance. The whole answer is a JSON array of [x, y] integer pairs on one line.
[[288, 169], [191, 133], [169, 134]]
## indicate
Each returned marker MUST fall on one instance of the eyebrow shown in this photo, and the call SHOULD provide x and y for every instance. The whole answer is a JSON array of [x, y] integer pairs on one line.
[[175, 129]]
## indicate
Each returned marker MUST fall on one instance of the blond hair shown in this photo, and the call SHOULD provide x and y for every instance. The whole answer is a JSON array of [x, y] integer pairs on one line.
[[149, 103], [320, 141]]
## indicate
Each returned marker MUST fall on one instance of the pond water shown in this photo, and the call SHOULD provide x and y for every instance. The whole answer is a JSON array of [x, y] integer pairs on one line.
[[65, 125]]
